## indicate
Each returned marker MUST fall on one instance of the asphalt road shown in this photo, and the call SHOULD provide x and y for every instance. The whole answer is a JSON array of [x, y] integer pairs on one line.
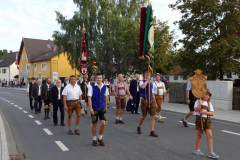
[[175, 142]]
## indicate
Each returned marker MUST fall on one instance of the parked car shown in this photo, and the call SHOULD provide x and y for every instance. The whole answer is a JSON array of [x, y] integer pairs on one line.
[[236, 83], [229, 79]]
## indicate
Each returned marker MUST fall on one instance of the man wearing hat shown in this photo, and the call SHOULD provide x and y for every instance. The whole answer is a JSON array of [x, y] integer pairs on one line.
[[29, 91], [160, 95]]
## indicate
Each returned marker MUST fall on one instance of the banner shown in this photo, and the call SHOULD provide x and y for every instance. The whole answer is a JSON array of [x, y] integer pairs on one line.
[[83, 55]]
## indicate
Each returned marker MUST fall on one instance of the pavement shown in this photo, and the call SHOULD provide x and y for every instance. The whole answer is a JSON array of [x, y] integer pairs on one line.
[[39, 139]]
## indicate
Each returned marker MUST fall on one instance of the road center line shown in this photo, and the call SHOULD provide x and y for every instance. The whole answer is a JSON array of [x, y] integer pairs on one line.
[[16, 105], [62, 146], [12, 103], [47, 131], [19, 107], [25, 112], [189, 123], [39, 123], [30, 116], [231, 132]]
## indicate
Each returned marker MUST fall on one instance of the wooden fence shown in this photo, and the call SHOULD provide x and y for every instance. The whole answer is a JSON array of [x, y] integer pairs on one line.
[[177, 94], [236, 99]]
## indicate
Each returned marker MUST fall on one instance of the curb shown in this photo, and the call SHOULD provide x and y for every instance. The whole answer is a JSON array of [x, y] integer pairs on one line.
[[3, 146]]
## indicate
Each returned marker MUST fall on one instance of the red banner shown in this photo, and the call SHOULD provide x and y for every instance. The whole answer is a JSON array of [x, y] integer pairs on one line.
[[83, 55]]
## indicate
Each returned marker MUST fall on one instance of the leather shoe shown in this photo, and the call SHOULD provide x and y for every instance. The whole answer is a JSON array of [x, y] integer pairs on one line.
[[55, 124], [62, 124]]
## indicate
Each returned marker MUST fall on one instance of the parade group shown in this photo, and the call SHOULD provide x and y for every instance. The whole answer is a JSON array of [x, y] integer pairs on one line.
[[71, 94]]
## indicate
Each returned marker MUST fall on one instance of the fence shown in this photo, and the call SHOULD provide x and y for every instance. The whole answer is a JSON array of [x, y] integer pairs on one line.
[[177, 94], [236, 98]]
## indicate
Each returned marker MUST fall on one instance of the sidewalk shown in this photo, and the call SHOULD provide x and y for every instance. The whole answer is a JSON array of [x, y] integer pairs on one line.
[[15, 88], [3, 142], [219, 114]]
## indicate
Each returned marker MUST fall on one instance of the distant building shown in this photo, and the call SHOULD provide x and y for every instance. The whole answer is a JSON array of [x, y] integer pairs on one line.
[[8, 67], [39, 58], [174, 76]]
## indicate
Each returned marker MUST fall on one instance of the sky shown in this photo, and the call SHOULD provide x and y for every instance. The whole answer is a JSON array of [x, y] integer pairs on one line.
[[37, 19]]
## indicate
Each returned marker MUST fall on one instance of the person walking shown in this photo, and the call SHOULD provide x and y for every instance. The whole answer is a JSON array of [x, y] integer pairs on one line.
[[135, 92], [56, 100], [46, 92], [36, 94], [29, 92], [72, 93]]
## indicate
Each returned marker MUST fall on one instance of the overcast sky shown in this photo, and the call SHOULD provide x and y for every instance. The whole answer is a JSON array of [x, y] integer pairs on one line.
[[37, 19]]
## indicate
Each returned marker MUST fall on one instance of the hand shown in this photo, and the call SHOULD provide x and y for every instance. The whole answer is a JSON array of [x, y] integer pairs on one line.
[[188, 101], [65, 108], [106, 107], [156, 106], [202, 111], [50, 104], [130, 97], [116, 96], [200, 101], [91, 111], [28, 94], [32, 97], [42, 101], [164, 100]]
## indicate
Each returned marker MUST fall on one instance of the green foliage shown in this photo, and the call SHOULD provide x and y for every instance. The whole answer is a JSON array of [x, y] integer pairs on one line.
[[212, 39], [4, 51], [1, 53]]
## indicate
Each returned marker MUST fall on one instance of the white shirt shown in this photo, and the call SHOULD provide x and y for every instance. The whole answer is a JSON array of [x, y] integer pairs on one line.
[[72, 93], [39, 90], [188, 86], [160, 84], [59, 95], [204, 104], [138, 86], [90, 90], [141, 83]]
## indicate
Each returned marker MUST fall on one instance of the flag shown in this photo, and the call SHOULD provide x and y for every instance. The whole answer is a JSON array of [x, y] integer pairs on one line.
[[83, 53], [17, 60], [146, 40]]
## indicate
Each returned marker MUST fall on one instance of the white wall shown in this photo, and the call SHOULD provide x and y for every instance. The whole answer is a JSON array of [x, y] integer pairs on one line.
[[180, 79], [4, 75], [222, 94], [13, 70]]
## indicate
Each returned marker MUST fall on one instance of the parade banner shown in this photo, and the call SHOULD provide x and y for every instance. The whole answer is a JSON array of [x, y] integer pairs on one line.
[[198, 84], [83, 55]]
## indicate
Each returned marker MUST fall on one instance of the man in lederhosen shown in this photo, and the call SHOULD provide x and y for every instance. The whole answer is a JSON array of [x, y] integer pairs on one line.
[[36, 94], [190, 100], [146, 106], [46, 91], [56, 100], [29, 92], [83, 84], [120, 89], [135, 92], [160, 95]]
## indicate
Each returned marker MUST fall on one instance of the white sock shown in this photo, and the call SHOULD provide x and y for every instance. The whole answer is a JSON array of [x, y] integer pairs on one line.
[[120, 118], [95, 138], [184, 119], [159, 117], [117, 118], [76, 127], [100, 137]]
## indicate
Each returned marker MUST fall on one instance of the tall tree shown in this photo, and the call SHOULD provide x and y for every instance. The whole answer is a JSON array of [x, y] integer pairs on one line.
[[4, 51], [1, 53], [212, 37]]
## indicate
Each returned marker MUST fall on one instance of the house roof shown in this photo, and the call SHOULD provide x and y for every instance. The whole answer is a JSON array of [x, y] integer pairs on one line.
[[36, 49], [46, 56], [176, 71], [7, 59]]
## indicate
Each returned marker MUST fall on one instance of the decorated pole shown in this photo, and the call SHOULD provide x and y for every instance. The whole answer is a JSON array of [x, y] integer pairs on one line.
[[146, 40], [83, 57]]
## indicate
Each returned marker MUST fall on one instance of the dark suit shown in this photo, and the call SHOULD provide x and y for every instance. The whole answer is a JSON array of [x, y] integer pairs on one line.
[[57, 103], [45, 94], [37, 98], [135, 94], [65, 83], [30, 93]]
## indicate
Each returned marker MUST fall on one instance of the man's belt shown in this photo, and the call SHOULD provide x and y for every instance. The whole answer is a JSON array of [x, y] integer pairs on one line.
[[72, 100], [121, 97]]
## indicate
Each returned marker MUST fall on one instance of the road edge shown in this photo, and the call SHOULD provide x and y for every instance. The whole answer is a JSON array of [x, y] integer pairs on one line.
[[10, 142]]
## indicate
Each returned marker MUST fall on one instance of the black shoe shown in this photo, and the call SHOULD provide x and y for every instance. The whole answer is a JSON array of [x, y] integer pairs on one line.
[[153, 134], [31, 108], [137, 113], [86, 112], [139, 130], [62, 124], [36, 112], [48, 117], [132, 111], [45, 117], [184, 123], [121, 122], [55, 124], [39, 111], [116, 122]]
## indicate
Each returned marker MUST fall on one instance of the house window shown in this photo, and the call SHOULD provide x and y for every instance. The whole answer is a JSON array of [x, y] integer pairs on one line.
[[175, 78], [44, 66], [35, 66], [48, 45], [21, 68], [22, 57], [26, 57], [229, 75], [167, 78], [28, 67], [4, 71], [0, 70]]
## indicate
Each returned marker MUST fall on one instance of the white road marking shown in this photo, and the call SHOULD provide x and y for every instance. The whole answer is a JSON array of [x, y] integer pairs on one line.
[[189, 123], [19, 107], [62, 146], [30, 116], [25, 112], [163, 117], [16, 105], [231, 132], [39, 123], [47, 131], [114, 107], [12, 103]]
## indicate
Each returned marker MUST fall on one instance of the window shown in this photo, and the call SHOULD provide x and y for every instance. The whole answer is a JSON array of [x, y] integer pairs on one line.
[[35, 66], [175, 78], [4, 71], [26, 57], [44, 66], [21, 69], [22, 57], [48, 46], [28, 67], [167, 78], [0, 70], [229, 75]]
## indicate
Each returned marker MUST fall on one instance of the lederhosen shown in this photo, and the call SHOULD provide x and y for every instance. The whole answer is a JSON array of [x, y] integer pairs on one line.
[[158, 97], [203, 123], [121, 100]]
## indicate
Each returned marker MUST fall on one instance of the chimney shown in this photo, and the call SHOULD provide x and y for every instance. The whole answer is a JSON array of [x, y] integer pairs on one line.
[[54, 48], [10, 51]]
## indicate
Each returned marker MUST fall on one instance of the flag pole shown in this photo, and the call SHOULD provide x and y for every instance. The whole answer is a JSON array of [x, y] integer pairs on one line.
[[149, 85], [85, 95]]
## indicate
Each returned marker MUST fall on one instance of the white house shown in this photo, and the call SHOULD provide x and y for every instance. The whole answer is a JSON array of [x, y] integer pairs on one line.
[[8, 68]]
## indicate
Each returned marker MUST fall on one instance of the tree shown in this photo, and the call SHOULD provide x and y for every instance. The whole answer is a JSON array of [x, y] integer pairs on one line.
[[1, 53], [212, 36]]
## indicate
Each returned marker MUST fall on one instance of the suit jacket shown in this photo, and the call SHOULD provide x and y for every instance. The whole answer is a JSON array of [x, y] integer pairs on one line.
[[54, 95], [44, 91], [133, 88], [35, 91]]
